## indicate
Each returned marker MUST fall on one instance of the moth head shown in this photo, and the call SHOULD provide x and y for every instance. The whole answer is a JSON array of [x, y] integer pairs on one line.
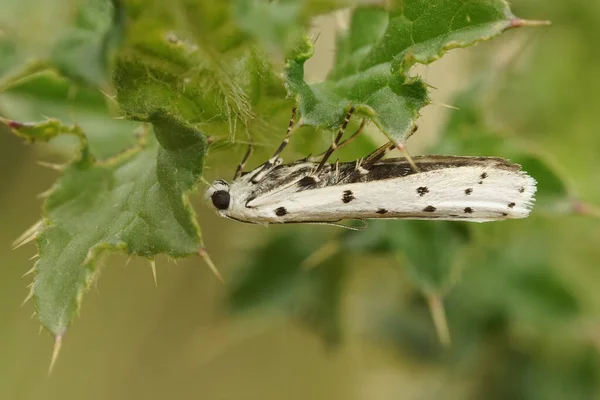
[[218, 193]]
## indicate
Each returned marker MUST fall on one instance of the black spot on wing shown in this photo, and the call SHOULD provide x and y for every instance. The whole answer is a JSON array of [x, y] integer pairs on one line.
[[468, 210], [306, 182], [468, 191], [429, 209], [381, 211], [484, 175], [348, 196], [281, 211], [521, 190], [422, 190], [511, 205]]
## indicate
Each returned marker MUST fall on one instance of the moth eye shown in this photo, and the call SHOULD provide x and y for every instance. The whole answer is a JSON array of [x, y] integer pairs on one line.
[[221, 199]]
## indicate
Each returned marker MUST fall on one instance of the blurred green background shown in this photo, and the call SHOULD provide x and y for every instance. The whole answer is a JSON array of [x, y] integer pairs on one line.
[[523, 310]]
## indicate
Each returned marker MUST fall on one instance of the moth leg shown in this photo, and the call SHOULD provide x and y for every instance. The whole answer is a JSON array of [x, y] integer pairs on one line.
[[334, 145], [292, 126], [240, 168], [376, 155], [383, 150], [343, 143]]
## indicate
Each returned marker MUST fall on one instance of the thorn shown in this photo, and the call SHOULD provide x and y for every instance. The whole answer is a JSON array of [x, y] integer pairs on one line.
[[40, 330], [45, 194], [172, 260], [321, 254], [127, 262], [202, 253], [153, 267], [33, 257], [586, 209], [445, 105], [29, 296], [518, 22], [27, 236], [111, 98], [29, 272], [55, 167], [404, 151], [55, 352], [438, 314]]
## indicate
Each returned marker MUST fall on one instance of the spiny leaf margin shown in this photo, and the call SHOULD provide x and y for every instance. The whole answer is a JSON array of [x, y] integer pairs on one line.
[[375, 55]]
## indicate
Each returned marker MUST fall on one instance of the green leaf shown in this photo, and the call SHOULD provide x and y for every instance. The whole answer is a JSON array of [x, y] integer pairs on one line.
[[190, 59], [47, 94], [85, 50], [312, 296], [430, 248], [279, 25], [135, 203], [80, 49], [374, 57]]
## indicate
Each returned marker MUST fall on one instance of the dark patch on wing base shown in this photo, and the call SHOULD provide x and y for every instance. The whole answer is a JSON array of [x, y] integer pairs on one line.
[[306, 182], [429, 209], [381, 211], [468, 210], [511, 205]]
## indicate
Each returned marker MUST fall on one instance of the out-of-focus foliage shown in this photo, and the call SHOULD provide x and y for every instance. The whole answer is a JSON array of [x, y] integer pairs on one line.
[[520, 297]]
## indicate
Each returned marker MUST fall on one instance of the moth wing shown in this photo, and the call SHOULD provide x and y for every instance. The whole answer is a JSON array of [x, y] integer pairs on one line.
[[475, 193]]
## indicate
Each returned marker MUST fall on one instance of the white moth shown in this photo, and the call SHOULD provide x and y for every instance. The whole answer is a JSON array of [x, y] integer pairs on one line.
[[451, 188], [476, 189]]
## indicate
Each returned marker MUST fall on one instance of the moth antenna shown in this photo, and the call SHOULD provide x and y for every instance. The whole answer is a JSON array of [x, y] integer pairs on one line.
[[352, 228], [316, 38], [240, 168], [292, 127]]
